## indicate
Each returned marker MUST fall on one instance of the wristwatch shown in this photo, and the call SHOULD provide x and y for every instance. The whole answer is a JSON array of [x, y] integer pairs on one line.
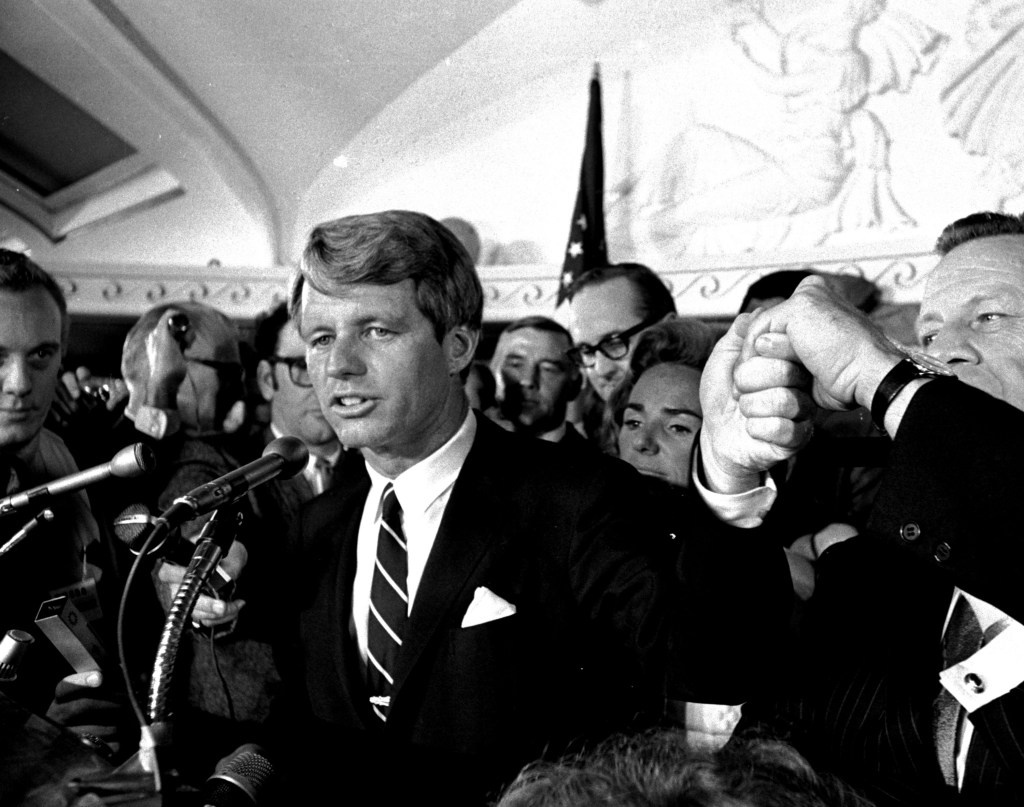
[[912, 367]]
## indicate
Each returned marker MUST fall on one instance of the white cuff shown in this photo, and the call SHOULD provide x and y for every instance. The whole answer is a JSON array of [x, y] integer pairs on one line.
[[991, 672], [745, 510]]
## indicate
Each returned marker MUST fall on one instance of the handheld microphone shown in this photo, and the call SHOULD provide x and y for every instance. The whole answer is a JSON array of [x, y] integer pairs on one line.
[[284, 457], [242, 779], [134, 460], [12, 650], [133, 526]]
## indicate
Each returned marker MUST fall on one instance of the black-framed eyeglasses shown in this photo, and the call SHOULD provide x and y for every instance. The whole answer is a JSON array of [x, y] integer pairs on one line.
[[298, 371], [613, 346]]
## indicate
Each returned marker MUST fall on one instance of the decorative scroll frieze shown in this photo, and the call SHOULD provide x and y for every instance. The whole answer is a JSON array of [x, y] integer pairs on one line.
[[709, 288]]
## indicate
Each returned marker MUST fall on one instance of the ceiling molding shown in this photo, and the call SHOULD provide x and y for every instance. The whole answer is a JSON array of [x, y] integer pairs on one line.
[[119, 80], [710, 289]]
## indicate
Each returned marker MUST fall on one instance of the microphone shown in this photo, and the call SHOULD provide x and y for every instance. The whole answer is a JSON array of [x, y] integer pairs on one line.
[[12, 650], [133, 526], [242, 779], [284, 457], [134, 460]]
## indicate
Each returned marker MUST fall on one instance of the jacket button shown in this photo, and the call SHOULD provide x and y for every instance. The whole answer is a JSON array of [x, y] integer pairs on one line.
[[910, 531], [943, 551]]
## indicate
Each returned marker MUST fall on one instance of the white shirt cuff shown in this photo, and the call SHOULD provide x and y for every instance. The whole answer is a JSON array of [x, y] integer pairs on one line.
[[991, 672], [745, 510]]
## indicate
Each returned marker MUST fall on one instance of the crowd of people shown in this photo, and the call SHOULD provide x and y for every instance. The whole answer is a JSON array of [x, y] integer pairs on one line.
[[513, 582]]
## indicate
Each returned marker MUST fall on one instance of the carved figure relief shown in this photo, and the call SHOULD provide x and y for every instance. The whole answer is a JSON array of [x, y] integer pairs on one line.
[[983, 99], [818, 165]]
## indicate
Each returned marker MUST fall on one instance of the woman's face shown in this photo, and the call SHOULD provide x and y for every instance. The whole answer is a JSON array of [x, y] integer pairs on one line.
[[660, 422]]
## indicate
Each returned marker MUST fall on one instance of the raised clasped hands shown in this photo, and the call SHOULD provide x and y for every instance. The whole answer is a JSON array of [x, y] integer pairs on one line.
[[766, 374]]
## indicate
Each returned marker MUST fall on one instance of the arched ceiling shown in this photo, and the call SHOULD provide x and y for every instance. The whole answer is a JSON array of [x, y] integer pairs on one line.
[[258, 96]]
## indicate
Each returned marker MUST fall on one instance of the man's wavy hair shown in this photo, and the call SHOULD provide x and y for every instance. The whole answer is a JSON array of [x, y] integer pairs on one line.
[[656, 769], [387, 248], [977, 225]]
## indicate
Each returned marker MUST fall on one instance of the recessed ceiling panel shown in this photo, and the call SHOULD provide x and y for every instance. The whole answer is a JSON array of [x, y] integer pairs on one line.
[[48, 142]]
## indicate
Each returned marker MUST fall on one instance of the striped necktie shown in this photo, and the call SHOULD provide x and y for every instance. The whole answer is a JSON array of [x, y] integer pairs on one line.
[[389, 604]]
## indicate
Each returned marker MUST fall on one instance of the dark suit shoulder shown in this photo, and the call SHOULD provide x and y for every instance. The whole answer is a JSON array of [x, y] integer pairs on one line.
[[539, 462]]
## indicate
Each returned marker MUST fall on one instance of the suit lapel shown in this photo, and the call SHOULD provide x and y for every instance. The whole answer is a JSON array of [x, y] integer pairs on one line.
[[468, 530], [341, 527]]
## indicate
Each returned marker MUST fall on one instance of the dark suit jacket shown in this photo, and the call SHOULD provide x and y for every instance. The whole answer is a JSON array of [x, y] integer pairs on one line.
[[861, 695], [568, 540]]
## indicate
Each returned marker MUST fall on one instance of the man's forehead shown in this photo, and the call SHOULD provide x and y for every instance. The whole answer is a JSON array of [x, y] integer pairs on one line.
[[37, 307], [357, 300], [981, 258], [537, 343], [289, 343], [596, 311]]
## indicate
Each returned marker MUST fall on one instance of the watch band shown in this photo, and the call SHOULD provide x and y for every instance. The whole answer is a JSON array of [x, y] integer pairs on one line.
[[909, 369]]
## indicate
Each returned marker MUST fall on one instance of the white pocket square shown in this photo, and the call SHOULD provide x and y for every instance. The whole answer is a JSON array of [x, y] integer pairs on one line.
[[486, 607]]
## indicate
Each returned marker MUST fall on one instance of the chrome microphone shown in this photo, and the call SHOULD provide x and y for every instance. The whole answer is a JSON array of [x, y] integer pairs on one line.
[[134, 460], [12, 651]]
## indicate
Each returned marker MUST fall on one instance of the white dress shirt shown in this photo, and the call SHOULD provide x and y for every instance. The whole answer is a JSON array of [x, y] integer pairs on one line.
[[423, 492]]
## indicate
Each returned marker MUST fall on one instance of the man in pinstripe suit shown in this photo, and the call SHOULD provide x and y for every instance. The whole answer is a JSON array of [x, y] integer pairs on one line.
[[862, 697]]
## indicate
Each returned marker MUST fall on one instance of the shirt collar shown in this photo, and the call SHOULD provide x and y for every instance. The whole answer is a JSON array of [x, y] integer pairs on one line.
[[419, 486]]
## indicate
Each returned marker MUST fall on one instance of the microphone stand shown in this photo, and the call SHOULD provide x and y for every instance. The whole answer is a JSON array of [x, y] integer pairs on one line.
[[217, 534], [139, 780], [43, 515]]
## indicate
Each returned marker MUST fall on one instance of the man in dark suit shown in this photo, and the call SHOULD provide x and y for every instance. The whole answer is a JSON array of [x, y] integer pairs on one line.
[[538, 381], [909, 683], [469, 599]]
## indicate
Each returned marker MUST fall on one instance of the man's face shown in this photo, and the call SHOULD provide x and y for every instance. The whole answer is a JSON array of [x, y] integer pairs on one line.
[[29, 364], [294, 409], [661, 421], [972, 315], [596, 312], [539, 380], [384, 382]]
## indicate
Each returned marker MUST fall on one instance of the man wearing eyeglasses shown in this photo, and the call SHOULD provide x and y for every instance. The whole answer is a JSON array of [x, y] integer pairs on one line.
[[608, 307], [284, 383]]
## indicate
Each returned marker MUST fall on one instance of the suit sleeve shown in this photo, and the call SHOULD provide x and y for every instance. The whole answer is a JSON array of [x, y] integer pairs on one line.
[[953, 488]]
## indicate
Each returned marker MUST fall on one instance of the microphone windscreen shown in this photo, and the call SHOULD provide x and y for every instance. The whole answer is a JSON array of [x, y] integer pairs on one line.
[[294, 453], [132, 525], [243, 779], [131, 461]]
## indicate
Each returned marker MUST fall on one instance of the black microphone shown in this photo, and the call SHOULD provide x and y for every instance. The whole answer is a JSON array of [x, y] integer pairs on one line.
[[133, 526], [242, 779], [284, 457], [134, 460]]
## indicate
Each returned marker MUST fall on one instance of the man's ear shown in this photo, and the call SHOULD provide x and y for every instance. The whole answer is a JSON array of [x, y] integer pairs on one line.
[[576, 386], [265, 379], [459, 346], [235, 417]]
